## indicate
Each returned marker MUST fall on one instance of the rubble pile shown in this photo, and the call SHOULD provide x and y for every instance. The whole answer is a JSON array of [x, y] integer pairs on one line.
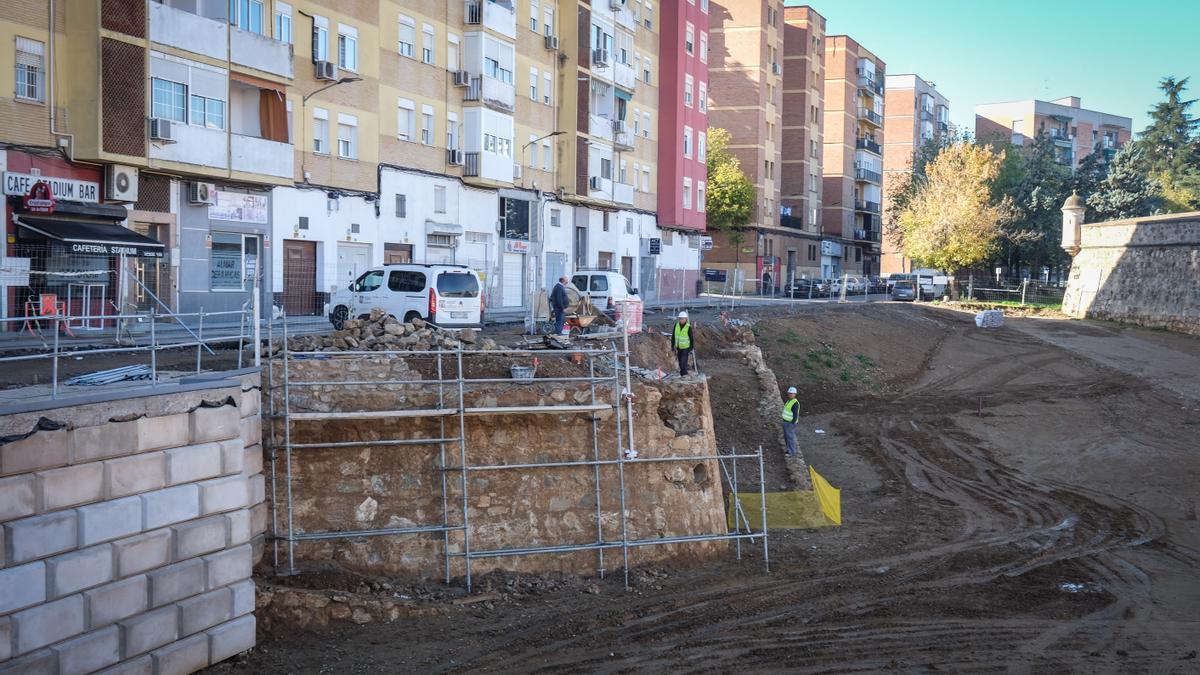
[[381, 332]]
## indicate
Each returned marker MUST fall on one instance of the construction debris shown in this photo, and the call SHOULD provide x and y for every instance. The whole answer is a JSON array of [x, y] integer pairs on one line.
[[123, 374], [382, 332]]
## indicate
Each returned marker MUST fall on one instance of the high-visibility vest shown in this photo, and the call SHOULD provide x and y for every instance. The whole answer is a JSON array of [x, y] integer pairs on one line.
[[683, 336], [791, 410]]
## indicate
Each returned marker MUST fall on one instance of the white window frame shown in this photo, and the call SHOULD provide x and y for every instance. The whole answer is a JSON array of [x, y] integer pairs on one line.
[[547, 88], [349, 122], [320, 131], [533, 15], [647, 122], [689, 38], [702, 103], [687, 141], [452, 136], [701, 146], [703, 47], [428, 125], [453, 52], [406, 24], [283, 22], [406, 132], [439, 198], [534, 76], [547, 155], [347, 48], [533, 151], [428, 42], [687, 192], [701, 196], [689, 85]]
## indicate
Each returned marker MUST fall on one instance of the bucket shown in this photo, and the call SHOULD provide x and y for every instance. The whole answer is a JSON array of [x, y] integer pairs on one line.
[[522, 374]]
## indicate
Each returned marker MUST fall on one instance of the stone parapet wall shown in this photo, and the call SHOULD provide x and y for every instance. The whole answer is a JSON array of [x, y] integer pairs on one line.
[[374, 487], [1143, 271], [130, 528]]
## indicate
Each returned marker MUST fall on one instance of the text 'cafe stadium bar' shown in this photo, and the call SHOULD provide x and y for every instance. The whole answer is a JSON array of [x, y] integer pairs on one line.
[[65, 251]]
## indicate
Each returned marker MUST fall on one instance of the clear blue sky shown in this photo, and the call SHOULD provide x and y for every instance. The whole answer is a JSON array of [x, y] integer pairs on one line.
[[1111, 54]]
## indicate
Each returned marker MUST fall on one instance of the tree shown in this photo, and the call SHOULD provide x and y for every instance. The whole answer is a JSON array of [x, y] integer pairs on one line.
[[1128, 191], [903, 185], [952, 220], [731, 195], [1171, 147], [1036, 181]]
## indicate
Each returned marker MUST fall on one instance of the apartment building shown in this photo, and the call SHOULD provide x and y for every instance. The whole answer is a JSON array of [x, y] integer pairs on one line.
[[745, 98], [852, 159], [914, 113], [1076, 131]]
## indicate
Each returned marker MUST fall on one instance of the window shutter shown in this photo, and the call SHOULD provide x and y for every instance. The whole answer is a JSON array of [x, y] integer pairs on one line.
[[316, 38], [401, 207]]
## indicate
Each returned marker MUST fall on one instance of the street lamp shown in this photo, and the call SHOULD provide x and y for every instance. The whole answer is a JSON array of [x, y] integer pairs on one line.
[[535, 282], [304, 118], [536, 140]]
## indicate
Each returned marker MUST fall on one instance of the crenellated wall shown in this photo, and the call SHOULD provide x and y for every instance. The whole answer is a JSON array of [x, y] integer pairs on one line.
[[130, 528]]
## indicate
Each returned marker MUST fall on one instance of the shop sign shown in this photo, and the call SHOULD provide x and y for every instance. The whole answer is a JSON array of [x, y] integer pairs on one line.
[[20, 184], [831, 248], [101, 248], [714, 275], [239, 207], [706, 243], [655, 246], [516, 246], [40, 199]]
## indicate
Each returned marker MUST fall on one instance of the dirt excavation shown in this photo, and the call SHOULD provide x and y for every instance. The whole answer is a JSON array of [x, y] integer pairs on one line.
[[1009, 503]]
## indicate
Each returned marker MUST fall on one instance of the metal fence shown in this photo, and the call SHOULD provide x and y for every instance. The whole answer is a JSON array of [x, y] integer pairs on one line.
[[1018, 290]]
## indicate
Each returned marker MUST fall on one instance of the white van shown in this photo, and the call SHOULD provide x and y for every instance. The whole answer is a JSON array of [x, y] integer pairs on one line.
[[447, 295], [604, 288]]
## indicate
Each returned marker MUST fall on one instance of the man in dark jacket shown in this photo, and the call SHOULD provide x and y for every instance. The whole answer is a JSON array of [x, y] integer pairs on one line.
[[683, 342], [559, 302]]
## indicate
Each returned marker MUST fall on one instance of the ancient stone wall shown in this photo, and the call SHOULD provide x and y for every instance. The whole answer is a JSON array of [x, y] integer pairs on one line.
[[1144, 271], [130, 528], [345, 489]]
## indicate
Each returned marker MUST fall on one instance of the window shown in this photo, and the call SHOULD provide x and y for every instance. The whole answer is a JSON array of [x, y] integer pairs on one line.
[[283, 22], [701, 146], [645, 125], [231, 257], [688, 84], [703, 105], [408, 36], [452, 130], [401, 206], [703, 47], [406, 281], [687, 142], [247, 15], [493, 69], [348, 48], [546, 155], [700, 195], [606, 168], [646, 62], [637, 122], [548, 19], [645, 179], [555, 218], [406, 120], [689, 40], [288, 104], [208, 112], [533, 152], [167, 100], [547, 87], [812, 182], [629, 226], [320, 39], [687, 193], [439, 199], [621, 177], [533, 84], [533, 15], [347, 136], [427, 44], [427, 124], [321, 131], [451, 53], [648, 17], [637, 174], [30, 70]]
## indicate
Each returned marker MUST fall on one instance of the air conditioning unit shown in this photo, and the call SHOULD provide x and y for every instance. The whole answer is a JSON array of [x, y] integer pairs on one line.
[[516, 171], [202, 193], [121, 183], [775, 68], [326, 70], [594, 183], [461, 78], [454, 157], [552, 42], [616, 5], [600, 57], [160, 130]]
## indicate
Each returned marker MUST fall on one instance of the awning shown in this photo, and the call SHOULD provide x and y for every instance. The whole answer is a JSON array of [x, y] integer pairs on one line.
[[622, 94], [93, 237], [443, 228]]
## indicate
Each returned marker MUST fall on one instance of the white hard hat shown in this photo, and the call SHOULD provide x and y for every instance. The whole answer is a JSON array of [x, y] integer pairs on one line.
[[791, 390], [682, 315]]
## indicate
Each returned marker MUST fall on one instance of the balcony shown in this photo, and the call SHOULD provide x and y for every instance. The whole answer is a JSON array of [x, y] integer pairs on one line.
[[600, 126], [187, 31], [943, 127], [624, 17], [926, 114], [497, 15], [867, 175], [471, 164], [252, 154], [194, 145], [866, 235], [868, 144], [261, 53], [870, 116], [624, 76], [491, 92], [871, 83], [868, 207], [622, 138], [622, 193], [1062, 138]]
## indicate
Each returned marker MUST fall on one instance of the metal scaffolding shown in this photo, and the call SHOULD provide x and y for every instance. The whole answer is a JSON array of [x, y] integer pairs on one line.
[[607, 392]]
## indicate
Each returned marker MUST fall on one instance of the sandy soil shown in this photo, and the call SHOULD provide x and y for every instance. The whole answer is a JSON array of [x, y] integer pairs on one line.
[[1008, 504]]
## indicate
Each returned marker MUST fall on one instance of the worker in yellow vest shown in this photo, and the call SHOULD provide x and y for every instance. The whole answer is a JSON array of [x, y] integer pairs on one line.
[[682, 342], [791, 415]]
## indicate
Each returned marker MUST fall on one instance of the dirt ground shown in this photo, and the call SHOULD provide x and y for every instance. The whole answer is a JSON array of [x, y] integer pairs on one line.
[[1009, 504]]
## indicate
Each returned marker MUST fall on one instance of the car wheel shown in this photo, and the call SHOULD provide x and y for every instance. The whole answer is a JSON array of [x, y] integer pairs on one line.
[[338, 319], [410, 316]]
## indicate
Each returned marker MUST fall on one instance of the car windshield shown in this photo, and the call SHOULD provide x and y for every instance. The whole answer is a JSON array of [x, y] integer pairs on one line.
[[904, 285], [457, 285]]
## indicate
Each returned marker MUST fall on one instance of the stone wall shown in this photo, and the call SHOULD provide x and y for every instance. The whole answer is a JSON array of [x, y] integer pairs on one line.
[[130, 528], [1144, 271], [344, 489]]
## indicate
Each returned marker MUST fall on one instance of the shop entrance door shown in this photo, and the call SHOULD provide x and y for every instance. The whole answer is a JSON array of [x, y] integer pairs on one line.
[[299, 277]]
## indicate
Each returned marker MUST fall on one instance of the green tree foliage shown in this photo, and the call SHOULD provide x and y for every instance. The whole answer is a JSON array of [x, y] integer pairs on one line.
[[903, 186], [730, 199], [1128, 190], [952, 221], [1171, 148], [1036, 182]]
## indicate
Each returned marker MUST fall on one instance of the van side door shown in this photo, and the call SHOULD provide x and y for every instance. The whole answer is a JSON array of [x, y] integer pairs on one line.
[[407, 289], [367, 293]]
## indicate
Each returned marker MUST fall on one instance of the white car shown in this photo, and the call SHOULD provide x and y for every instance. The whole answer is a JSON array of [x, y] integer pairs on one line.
[[450, 296], [604, 288]]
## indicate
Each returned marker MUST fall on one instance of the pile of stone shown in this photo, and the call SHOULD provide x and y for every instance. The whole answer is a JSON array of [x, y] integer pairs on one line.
[[381, 332]]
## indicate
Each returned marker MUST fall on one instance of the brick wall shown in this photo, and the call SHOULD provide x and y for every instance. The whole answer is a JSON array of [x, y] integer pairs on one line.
[[129, 532]]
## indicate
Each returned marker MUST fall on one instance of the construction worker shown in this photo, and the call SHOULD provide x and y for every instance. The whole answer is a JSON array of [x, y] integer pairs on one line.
[[683, 342], [791, 415], [559, 302]]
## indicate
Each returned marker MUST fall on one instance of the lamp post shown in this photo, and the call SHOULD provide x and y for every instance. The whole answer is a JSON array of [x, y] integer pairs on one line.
[[304, 118], [537, 140], [535, 282]]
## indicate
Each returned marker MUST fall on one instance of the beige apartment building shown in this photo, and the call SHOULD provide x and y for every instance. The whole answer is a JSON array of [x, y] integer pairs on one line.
[[914, 113], [1076, 131], [852, 160]]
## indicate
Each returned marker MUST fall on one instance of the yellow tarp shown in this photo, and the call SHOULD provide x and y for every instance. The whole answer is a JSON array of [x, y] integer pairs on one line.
[[798, 509]]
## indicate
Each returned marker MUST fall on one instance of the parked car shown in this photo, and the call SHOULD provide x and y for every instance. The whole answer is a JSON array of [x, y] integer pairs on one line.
[[877, 285], [802, 288], [604, 288], [855, 285], [904, 289], [450, 296]]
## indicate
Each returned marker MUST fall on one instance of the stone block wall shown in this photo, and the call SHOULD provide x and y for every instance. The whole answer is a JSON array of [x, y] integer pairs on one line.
[[130, 528], [1144, 271], [374, 487]]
